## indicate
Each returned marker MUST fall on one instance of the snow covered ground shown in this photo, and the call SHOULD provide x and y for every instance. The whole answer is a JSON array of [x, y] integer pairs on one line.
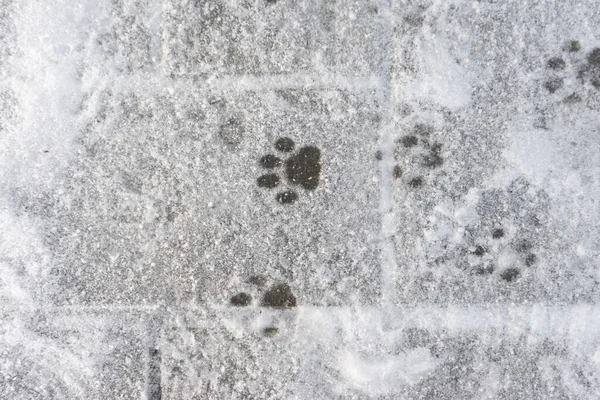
[[277, 199]]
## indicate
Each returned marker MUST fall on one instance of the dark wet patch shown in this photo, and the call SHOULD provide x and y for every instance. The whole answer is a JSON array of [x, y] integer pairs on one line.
[[530, 259], [268, 181], [172, 212], [416, 182], [498, 233], [573, 98], [279, 296], [257, 280], [552, 85], [484, 270], [434, 158], [270, 161], [378, 155], [287, 197], [304, 168], [414, 20], [409, 141], [556, 63], [285, 145], [524, 246], [479, 251], [417, 337], [154, 375], [397, 171], [270, 331], [510, 274], [232, 131], [573, 46], [593, 66], [423, 129], [241, 300], [593, 58]]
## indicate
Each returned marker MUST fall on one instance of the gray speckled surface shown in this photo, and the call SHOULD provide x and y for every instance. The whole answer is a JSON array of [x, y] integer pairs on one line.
[[445, 246]]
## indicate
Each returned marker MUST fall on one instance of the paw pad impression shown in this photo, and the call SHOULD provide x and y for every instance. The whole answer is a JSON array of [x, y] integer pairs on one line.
[[302, 169]]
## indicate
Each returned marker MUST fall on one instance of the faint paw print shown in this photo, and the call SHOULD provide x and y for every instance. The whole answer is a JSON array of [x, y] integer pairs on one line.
[[302, 168], [584, 69], [485, 265], [503, 237], [419, 153]]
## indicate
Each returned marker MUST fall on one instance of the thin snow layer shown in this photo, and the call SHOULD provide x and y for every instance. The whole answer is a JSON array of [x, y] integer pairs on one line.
[[430, 231]]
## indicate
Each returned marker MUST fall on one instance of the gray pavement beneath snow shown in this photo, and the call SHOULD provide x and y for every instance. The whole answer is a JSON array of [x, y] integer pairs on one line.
[[277, 199]]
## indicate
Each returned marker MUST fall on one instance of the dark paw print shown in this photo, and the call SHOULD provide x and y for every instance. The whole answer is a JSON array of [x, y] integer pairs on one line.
[[278, 296], [586, 69], [421, 154], [302, 169]]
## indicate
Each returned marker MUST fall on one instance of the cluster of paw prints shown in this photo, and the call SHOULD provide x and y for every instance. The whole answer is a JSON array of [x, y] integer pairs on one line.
[[301, 169], [278, 296], [485, 255], [584, 69], [427, 152]]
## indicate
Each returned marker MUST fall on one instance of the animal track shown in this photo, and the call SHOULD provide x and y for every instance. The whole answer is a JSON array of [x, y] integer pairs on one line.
[[277, 296], [421, 154], [504, 235], [241, 300], [302, 169], [559, 68], [484, 265]]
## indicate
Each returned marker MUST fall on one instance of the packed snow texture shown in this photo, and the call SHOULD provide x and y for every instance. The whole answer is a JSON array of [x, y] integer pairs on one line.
[[277, 199]]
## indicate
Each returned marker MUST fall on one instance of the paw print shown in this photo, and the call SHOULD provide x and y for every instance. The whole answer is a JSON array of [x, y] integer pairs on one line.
[[419, 154], [301, 169], [278, 296], [483, 259], [501, 232], [568, 73]]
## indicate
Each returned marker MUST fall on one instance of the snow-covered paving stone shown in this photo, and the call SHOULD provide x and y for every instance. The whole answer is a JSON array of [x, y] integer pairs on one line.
[[288, 354], [241, 37], [190, 196], [495, 161]]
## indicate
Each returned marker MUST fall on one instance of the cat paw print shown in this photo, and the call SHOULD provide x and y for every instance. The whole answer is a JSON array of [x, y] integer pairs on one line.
[[301, 169], [417, 154], [495, 233], [567, 74], [484, 255], [278, 296]]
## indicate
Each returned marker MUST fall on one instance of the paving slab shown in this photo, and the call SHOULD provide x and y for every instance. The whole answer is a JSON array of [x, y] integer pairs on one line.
[[483, 141], [231, 37], [271, 355], [136, 228]]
